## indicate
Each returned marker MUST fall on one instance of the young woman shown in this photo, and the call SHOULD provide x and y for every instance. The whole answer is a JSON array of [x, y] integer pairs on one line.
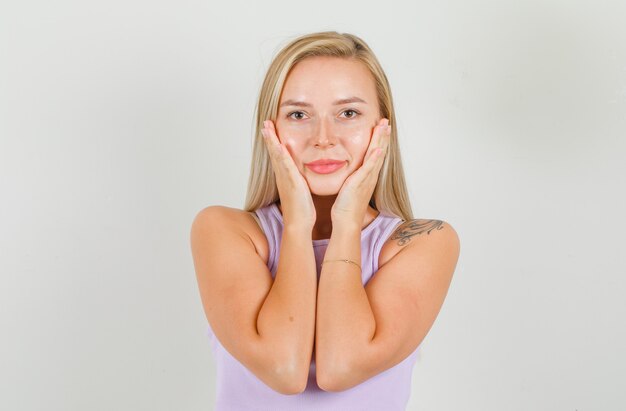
[[320, 291]]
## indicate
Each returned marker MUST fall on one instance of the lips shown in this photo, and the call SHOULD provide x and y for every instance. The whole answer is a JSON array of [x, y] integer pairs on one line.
[[324, 161], [325, 165]]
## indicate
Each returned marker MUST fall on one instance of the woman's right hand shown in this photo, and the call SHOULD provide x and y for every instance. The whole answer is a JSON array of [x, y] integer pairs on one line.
[[295, 196]]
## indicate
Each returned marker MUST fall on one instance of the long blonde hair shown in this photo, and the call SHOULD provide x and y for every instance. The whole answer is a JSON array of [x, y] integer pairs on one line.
[[390, 194]]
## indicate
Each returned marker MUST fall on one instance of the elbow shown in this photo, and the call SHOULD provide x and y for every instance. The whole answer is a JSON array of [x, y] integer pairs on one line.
[[294, 388], [324, 382], [290, 380], [338, 370], [285, 371], [290, 385], [332, 380], [328, 383]]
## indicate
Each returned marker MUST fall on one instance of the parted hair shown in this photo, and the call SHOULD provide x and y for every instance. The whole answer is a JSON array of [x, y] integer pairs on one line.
[[390, 194]]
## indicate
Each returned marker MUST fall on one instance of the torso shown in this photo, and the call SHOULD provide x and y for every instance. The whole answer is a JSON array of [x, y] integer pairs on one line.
[[249, 223]]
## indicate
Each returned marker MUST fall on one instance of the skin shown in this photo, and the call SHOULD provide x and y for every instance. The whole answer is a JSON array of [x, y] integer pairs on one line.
[[360, 329], [324, 130]]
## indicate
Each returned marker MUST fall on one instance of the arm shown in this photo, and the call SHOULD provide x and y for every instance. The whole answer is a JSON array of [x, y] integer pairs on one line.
[[344, 318], [249, 313], [286, 321], [362, 332]]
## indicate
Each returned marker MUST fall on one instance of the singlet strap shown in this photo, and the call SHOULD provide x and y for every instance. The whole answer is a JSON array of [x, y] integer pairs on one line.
[[267, 222], [382, 239]]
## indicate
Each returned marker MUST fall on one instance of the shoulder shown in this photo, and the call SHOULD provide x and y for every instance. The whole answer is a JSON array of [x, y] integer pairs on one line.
[[218, 216], [229, 218], [228, 215], [420, 233]]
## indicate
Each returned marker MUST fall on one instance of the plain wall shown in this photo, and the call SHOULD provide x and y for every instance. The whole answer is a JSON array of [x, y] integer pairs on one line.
[[120, 120]]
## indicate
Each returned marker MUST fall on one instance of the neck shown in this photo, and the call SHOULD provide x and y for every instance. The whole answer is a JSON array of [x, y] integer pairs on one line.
[[323, 223]]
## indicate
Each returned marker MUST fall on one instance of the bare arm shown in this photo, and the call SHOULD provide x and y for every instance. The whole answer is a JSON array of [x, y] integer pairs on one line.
[[363, 331], [287, 319], [344, 316], [266, 325]]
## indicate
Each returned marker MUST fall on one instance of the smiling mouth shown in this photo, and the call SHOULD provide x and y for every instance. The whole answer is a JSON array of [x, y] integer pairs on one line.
[[325, 168]]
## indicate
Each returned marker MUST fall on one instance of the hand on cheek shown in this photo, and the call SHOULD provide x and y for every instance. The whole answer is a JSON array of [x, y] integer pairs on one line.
[[295, 198], [353, 198]]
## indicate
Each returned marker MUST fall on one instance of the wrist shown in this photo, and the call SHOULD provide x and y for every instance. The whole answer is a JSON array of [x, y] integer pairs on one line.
[[346, 229], [347, 220], [297, 228]]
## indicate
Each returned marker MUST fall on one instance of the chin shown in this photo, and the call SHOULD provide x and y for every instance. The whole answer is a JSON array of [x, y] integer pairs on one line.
[[326, 185], [326, 191]]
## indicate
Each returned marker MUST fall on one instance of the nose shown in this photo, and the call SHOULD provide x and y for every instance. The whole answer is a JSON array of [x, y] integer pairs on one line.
[[324, 136]]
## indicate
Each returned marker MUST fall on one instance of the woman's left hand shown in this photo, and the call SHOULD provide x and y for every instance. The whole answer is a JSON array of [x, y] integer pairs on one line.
[[353, 198]]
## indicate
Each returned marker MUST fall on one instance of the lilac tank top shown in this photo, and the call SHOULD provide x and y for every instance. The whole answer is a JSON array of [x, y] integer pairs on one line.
[[238, 389]]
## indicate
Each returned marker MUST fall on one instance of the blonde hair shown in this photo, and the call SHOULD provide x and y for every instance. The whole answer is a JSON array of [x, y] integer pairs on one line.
[[390, 194]]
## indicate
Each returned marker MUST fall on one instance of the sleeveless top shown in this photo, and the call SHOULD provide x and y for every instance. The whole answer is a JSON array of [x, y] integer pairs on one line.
[[238, 389]]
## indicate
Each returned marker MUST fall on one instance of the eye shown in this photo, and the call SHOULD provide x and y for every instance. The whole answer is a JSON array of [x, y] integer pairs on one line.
[[353, 111], [294, 112]]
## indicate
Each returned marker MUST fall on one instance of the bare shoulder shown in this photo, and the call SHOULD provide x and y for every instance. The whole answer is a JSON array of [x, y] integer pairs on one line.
[[413, 232], [245, 222]]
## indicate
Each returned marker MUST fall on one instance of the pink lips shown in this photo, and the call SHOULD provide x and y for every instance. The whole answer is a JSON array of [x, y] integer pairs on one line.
[[325, 166]]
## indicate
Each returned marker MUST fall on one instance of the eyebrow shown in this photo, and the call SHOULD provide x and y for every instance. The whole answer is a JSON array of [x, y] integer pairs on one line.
[[336, 103]]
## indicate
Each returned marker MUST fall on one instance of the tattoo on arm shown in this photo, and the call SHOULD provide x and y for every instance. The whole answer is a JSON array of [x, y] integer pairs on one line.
[[415, 227]]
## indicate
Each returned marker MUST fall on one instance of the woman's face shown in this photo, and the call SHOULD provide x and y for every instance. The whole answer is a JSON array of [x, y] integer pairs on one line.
[[314, 123]]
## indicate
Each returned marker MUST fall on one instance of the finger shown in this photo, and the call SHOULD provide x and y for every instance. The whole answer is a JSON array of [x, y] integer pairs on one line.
[[270, 143], [271, 138], [376, 160], [272, 126], [379, 153], [377, 137], [376, 151], [281, 154], [381, 148], [373, 164]]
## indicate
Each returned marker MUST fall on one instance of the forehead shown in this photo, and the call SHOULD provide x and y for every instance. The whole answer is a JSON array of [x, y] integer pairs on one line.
[[322, 80]]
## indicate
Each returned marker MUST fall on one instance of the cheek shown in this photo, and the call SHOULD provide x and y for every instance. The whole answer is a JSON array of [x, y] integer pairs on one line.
[[357, 139], [357, 143], [295, 148], [354, 137], [292, 140]]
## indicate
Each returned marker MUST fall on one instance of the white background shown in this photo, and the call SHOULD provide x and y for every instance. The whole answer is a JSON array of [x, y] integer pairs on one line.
[[120, 120]]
